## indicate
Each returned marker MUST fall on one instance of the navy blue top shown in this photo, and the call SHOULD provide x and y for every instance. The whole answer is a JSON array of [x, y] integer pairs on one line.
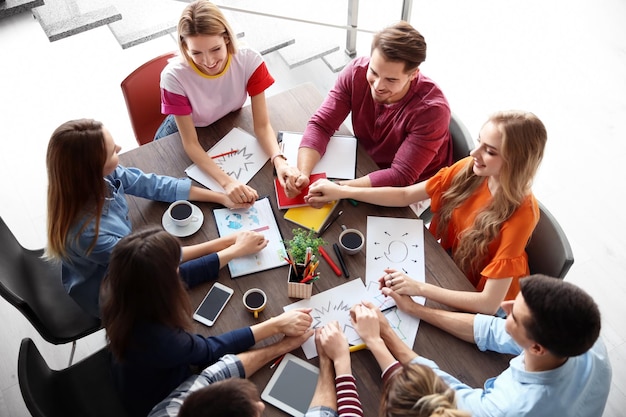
[[159, 360]]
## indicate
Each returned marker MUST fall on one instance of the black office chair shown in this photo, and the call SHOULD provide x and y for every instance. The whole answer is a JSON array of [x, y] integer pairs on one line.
[[462, 144], [33, 286], [84, 389], [548, 249]]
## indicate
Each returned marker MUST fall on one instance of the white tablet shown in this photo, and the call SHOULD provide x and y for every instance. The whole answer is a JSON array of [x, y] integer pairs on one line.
[[292, 386]]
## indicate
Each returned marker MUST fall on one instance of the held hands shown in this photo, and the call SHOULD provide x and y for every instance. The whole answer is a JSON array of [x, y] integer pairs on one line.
[[240, 193], [362, 316], [295, 183], [288, 177], [333, 342], [294, 322], [322, 191], [400, 283]]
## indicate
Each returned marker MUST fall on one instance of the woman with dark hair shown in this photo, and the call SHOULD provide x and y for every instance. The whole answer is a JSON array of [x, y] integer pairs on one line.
[[147, 313], [88, 212], [484, 212]]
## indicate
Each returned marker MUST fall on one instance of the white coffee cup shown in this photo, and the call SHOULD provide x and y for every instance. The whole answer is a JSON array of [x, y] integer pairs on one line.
[[180, 212], [351, 241]]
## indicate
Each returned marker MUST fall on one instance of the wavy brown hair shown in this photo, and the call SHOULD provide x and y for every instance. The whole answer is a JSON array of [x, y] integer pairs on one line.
[[75, 159], [202, 17], [416, 391], [401, 42], [142, 285], [523, 141]]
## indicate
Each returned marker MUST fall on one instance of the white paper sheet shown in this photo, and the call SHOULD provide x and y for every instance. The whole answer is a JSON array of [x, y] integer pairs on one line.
[[339, 161], [395, 243], [241, 165]]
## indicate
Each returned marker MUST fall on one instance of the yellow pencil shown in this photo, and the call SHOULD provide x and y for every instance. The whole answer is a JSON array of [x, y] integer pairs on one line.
[[358, 347]]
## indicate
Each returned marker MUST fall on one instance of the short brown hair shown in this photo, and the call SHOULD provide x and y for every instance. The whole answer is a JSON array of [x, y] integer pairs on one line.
[[230, 397], [401, 42]]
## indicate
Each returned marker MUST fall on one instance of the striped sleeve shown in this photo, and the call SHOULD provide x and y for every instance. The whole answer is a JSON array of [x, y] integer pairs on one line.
[[348, 403]]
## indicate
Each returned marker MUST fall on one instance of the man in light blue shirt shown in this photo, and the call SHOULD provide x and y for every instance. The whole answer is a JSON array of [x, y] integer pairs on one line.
[[562, 367]]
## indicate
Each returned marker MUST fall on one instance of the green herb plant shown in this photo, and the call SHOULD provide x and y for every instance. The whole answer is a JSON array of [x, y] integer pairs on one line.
[[301, 240]]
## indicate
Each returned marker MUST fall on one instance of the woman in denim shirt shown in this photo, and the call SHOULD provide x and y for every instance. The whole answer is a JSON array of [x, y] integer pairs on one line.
[[88, 212]]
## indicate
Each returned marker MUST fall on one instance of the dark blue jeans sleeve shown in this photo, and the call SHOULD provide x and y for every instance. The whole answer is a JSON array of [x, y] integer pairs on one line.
[[235, 341], [199, 270]]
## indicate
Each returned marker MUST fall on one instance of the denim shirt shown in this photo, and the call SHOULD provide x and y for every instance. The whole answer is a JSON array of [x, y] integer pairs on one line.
[[578, 388], [83, 272]]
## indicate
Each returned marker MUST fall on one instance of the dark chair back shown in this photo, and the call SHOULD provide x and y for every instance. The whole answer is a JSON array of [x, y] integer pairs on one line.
[[142, 93], [84, 389], [33, 285], [462, 142], [548, 249]]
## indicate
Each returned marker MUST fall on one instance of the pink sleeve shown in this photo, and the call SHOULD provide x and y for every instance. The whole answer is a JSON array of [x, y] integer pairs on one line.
[[348, 402], [175, 104]]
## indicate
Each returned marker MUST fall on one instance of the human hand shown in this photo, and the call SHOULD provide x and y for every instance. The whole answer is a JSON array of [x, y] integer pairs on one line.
[[322, 191], [287, 176], [289, 343], [248, 242], [294, 322], [403, 302], [295, 185], [334, 342], [240, 193], [383, 324], [366, 322], [227, 202], [400, 283]]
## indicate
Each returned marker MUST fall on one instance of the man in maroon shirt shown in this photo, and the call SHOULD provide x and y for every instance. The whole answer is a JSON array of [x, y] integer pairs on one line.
[[399, 115]]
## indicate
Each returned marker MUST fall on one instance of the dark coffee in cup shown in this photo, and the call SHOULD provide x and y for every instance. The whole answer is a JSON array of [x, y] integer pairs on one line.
[[181, 211], [351, 240], [254, 300]]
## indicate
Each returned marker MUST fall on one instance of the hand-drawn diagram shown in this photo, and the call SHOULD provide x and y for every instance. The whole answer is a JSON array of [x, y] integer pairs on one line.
[[236, 164], [242, 165], [259, 218]]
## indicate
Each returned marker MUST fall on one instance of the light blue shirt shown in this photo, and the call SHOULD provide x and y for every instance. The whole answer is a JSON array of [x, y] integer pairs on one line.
[[578, 388], [83, 272]]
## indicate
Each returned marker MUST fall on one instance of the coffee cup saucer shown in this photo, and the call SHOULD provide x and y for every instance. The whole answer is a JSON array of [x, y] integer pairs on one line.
[[183, 231]]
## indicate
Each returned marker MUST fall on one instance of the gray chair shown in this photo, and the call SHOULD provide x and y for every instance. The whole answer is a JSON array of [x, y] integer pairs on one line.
[[462, 144], [84, 389], [548, 249], [34, 287]]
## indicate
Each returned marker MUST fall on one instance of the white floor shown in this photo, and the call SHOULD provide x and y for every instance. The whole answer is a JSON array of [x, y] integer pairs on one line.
[[563, 60]]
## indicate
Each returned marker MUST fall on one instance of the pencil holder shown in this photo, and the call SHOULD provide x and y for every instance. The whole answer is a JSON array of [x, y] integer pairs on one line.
[[294, 288]]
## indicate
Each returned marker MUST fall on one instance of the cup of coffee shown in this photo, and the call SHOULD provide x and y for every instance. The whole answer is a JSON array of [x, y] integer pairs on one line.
[[351, 241], [180, 213], [255, 301]]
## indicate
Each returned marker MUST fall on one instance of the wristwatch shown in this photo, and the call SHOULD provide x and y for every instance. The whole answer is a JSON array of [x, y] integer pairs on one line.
[[277, 155]]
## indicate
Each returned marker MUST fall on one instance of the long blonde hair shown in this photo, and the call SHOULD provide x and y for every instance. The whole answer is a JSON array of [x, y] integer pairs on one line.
[[75, 159], [202, 17], [523, 141], [416, 391]]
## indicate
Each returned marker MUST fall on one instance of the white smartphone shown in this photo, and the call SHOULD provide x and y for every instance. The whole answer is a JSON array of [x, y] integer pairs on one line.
[[213, 304]]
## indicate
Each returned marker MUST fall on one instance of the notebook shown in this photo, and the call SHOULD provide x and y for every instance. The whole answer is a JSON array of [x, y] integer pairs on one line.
[[285, 202], [309, 217], [339, 160]]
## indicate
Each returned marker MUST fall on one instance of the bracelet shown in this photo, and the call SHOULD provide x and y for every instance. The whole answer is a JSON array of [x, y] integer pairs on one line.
[[277, 155]]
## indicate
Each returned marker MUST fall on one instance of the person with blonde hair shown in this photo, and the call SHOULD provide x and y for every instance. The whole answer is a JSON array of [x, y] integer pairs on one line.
[[211, 78], [484, 212], [147, 314], [88, 211], [414, 390]]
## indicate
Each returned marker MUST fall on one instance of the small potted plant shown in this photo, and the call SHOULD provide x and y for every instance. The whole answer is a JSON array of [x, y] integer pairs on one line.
[[303, 245]]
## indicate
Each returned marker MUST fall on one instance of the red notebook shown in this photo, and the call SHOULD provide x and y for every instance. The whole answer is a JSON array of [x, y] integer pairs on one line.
[[285, 202]]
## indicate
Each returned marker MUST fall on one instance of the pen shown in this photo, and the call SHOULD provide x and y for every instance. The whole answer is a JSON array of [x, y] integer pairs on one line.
[[356, 348], [325, 255], [225, 154], [321, 232], [341, 262], [260, 229], [277, 361], [353, 202]]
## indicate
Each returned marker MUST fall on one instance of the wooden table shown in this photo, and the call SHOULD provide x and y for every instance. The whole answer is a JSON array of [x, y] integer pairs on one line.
[[290, 111]]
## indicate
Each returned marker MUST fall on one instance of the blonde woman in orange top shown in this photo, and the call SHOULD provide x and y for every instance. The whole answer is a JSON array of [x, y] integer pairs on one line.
[[484, 212]]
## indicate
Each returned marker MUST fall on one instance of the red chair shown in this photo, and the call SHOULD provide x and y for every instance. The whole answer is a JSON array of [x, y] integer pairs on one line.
[[143, 98]]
